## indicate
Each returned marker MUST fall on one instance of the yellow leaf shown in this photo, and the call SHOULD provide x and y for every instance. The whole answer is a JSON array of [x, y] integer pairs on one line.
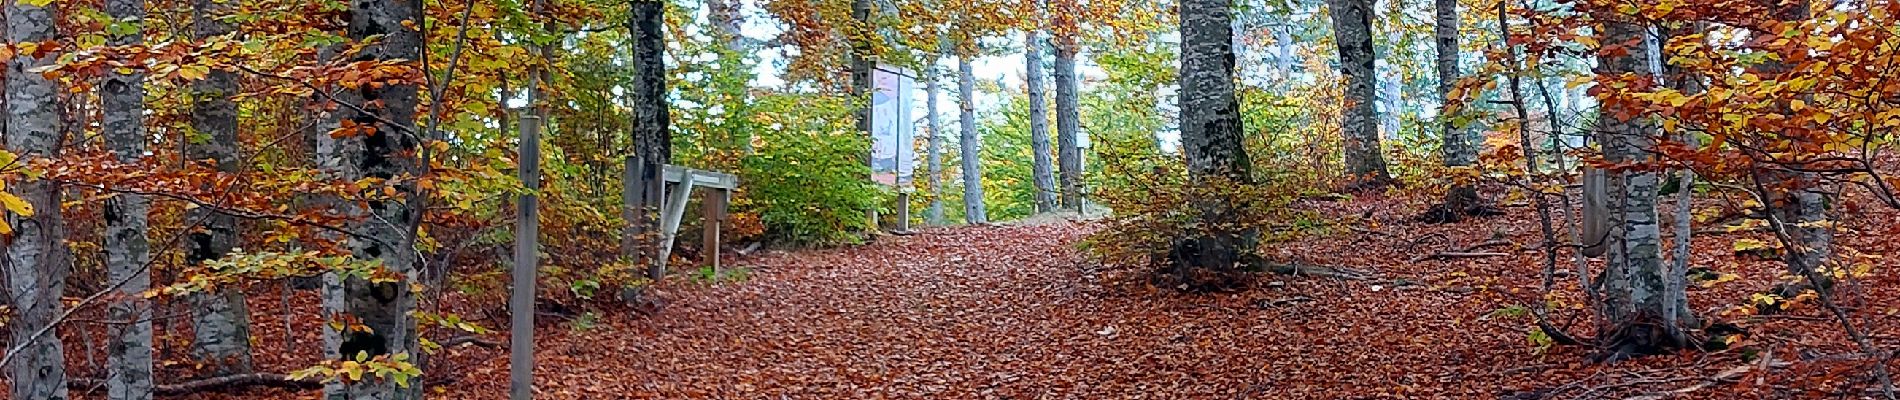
[[354, 370], [1588, 41], [16, 205], [194, 72]]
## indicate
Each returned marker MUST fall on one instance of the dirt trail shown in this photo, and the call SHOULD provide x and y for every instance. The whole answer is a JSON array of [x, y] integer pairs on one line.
[[1012, 312], [996, 312]]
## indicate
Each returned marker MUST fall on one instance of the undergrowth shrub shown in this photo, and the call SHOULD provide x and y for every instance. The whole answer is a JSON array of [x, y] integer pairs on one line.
[[1157, 215], [806, 178]]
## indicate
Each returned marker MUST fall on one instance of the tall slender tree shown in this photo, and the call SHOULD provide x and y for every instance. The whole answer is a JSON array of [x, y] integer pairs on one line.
[[973, 210], [1068, 112], [127, 248], [1460, 146], [1352, 32], [1038, 113], [1798, 198], [221, 328], [934, 148], [1211, 134], [383, 150], [37, 257], [652, 141], [326, 153], [1636, 298], [863, 52]]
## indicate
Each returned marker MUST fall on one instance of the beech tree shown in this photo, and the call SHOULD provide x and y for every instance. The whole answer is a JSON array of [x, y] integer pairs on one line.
[[973, 209], [1460, 148], [1798, 198], [220, 320], [1643, 314], [933, 85], [1064, 28], [1038, 112], [127, 248], [382, 148], [38, 261], [1211, 134], [651, 125], [1352, 32]]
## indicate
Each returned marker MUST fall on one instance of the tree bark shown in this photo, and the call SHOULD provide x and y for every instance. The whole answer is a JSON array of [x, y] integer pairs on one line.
[[1068, 117], [37, 257], [1798, 198], [220, 321], [652, 140], [935, 146], [1039, 119], [1460, 147], [385, 152], [861, 92], [327, 157], [127, 247], [1352, 31], [1636, 298], [1211, 138], [973, 211], [1690, 85]]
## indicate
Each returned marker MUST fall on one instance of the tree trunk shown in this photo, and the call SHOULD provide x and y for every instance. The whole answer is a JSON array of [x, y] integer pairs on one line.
[[1352, 31], [327, 157], [127, 248], [385, 151], [727, 16], [1460, 147], [1285, 62], [1797, 198], [973, 211], [220, 321], [1039, 120], [861, 64], [37, 258], [724, 15], [1068, 120], [652, 140], [1636, 298], [1690, 85], [1211, 140], [935, 146]]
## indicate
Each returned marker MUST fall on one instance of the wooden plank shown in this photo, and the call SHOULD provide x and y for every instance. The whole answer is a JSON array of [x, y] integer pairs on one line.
[[674, 210], [702, 178]]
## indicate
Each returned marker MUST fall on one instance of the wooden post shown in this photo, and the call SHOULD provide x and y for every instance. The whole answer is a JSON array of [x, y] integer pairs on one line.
[[903, 211], [527, 227], [631, 202], [713, 213], [653, 183]]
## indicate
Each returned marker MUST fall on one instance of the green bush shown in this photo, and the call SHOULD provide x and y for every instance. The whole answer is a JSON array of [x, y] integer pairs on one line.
[[807, 180]]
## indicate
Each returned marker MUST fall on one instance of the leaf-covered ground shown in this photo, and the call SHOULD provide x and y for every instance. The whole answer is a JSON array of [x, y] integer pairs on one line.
[[1016, 312]]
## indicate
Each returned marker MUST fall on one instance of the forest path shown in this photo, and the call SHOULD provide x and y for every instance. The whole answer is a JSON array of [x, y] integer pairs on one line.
[[1003, 312]]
